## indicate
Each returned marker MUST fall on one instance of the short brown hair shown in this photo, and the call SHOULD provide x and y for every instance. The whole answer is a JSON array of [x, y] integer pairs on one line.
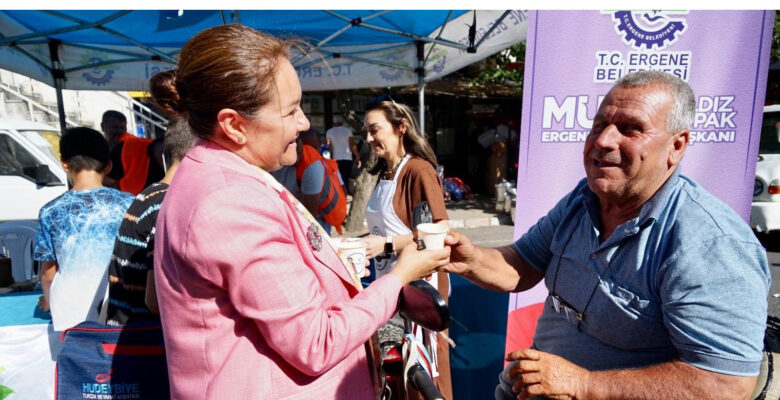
[[227, 66]]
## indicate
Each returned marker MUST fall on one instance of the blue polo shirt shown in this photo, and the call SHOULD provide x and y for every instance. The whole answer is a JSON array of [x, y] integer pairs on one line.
[[684, 279]]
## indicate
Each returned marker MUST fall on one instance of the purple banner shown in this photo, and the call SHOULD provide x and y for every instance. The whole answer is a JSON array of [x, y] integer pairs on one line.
[[573, 59]]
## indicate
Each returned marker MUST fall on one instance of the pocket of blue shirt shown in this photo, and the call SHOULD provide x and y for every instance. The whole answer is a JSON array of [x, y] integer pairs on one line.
[[620, 318]]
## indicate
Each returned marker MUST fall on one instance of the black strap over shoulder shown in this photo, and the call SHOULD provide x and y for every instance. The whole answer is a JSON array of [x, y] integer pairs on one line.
[[767, 381]]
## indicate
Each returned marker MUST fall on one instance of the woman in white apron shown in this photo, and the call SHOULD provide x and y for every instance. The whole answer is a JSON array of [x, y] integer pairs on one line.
[[407, 178]]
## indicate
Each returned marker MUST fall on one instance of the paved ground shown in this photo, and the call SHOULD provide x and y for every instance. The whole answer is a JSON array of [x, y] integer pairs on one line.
[[772, 243], [490, 236], [477, 212]]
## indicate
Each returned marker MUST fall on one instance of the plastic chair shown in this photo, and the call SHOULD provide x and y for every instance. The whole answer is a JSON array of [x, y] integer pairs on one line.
[[18, 237]]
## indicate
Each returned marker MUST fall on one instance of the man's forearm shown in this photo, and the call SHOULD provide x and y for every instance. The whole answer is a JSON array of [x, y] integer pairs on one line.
[[670, 380], [501, 269]]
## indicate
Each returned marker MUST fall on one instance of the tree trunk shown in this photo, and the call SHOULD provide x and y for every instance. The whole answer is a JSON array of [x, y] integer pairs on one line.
[[365, 184]]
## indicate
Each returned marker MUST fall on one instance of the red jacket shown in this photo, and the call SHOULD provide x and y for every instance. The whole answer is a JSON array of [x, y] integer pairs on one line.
[[333, 201], [135, 163]]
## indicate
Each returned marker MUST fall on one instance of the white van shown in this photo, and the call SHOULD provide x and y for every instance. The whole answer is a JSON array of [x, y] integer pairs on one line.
[[765, 209], [30, 171]]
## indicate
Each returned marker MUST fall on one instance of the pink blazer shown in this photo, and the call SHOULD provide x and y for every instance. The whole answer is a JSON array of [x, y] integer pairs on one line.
[[250, 309]]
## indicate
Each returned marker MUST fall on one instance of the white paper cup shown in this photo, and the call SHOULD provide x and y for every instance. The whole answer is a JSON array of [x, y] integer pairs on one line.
[[353, 252], [433, 235]]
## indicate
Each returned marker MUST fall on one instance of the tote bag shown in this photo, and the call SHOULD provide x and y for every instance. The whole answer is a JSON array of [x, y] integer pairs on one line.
[[103, 362]]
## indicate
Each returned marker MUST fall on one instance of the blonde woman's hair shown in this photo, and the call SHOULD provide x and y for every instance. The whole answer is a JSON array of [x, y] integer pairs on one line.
[[414, 143]]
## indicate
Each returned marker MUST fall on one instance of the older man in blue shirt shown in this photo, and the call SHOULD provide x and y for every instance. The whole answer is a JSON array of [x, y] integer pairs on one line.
[[656, 288]]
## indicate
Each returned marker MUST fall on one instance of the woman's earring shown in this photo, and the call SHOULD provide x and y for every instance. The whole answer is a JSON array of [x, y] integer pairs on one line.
[[240, 139]]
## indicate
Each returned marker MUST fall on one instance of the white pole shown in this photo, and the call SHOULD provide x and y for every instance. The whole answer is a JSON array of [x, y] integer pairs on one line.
[[421, 100], [421, 84]]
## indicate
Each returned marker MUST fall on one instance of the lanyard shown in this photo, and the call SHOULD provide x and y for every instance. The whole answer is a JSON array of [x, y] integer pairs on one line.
[[315, 230]]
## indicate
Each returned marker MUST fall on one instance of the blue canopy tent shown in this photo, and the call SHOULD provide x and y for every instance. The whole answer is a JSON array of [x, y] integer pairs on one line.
[[121, 50]]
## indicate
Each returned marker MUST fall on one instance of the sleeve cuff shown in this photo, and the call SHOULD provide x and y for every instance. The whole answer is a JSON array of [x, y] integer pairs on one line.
[[533, 263], [721, 365]]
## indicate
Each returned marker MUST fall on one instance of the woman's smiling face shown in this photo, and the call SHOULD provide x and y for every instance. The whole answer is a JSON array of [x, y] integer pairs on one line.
[[383, 138], [275, 127]]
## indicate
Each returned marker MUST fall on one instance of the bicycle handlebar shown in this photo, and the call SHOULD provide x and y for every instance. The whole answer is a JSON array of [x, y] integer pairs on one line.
[[423, 383]]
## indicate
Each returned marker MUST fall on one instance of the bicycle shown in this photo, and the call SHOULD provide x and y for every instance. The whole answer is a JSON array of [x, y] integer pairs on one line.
[[408, 362]]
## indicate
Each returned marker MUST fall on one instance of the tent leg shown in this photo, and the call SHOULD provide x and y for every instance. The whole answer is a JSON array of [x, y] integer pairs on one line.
[[59, 77], [421, 84], [421, 101], [60, 104]]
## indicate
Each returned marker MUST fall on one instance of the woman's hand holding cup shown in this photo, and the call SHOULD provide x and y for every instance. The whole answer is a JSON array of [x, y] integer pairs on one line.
[[375, 245], [416, 264]]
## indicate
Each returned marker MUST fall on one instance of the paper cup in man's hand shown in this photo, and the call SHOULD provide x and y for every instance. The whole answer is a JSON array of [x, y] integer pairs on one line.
[[433, 235]]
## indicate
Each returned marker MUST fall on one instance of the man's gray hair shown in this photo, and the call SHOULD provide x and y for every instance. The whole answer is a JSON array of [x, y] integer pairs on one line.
[[684, 108]]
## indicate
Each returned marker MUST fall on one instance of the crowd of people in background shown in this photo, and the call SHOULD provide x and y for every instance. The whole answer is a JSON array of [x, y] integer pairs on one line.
[[221, 232]]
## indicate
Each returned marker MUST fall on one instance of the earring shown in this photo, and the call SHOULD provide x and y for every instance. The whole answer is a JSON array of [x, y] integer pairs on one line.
[[240, 139]]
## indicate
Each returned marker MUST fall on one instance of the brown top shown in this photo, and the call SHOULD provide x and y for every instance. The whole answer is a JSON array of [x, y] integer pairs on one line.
[[417, 182]]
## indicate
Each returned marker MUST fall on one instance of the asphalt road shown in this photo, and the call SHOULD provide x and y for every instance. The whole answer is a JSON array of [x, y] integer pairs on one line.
[[772, 243], [493, 236], [490, 236]]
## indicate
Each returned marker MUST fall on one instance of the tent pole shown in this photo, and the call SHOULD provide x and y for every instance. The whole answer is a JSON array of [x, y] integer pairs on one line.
[[421, 83], [59, 76], [421, 100], [60, 104]]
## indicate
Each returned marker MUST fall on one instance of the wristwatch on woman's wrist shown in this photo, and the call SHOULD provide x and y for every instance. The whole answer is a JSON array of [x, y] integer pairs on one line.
[[389, 249]]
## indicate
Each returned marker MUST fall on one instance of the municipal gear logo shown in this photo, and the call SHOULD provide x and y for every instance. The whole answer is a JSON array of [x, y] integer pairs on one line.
[[647, 33], [390, 73], [101, 74], [649, 30]]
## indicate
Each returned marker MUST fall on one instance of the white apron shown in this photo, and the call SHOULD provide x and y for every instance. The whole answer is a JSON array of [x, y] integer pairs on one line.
[[383, 221]]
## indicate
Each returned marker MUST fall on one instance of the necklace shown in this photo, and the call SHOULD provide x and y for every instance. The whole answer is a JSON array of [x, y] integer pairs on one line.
[[389, 174]]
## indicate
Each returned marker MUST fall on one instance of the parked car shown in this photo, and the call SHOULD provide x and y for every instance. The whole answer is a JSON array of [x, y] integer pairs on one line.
[[30, 171], [765, 210]]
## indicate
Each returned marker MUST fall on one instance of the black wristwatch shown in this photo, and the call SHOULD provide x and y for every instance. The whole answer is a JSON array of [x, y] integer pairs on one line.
[[389, 249]]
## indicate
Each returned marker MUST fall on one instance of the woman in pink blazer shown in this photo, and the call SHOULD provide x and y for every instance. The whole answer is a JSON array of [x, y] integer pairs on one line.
[[255, 302]]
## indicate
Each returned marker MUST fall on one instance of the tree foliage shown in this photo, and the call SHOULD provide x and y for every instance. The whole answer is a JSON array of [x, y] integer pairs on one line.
[[495, 72], [495, 68]]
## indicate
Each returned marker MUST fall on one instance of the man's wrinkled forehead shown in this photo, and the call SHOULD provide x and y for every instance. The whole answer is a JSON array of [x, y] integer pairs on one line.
[[636, 101]]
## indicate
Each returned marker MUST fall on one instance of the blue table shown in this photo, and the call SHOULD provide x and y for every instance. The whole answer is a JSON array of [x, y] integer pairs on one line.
[[28, 346]]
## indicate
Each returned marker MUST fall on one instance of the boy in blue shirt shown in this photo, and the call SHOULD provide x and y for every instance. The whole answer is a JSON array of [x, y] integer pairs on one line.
[[76, 232]]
